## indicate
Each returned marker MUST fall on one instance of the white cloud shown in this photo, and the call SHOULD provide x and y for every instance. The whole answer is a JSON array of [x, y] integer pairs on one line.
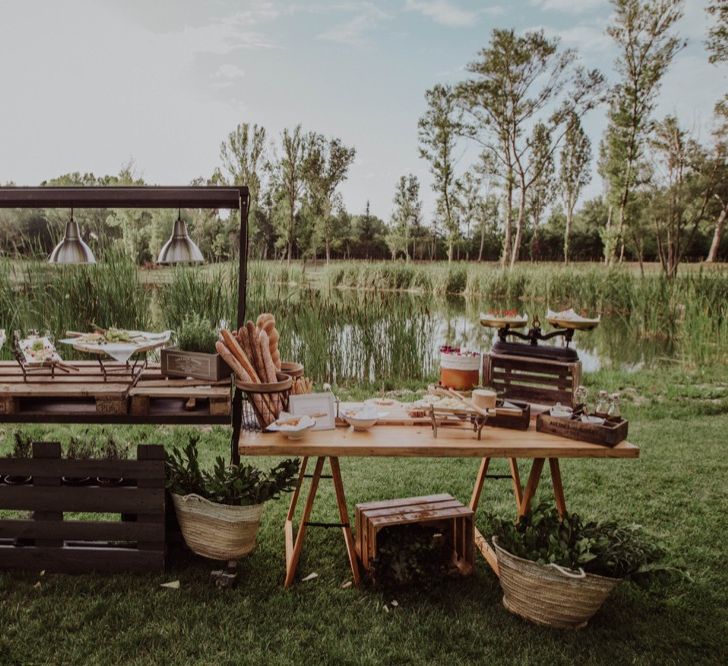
[[443, 12], [353, 31], [584, 38], [227, 75], [570, 6]]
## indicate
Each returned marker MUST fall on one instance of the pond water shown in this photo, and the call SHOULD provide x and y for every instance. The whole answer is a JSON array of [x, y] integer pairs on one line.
[[344, 334]]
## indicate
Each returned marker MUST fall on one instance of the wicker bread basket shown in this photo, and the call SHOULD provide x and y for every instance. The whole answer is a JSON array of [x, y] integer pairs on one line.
[[217, 531], [267, 400], [292, 369], [550, 595]]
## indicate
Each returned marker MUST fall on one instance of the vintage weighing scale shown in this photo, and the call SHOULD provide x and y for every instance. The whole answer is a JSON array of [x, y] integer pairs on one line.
[[518, 367]]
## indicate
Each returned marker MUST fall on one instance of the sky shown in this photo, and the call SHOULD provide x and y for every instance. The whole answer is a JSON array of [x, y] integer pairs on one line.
[[90, 85]]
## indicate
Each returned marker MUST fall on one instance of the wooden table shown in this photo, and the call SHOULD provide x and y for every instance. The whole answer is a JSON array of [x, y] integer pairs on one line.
[[417, 441]]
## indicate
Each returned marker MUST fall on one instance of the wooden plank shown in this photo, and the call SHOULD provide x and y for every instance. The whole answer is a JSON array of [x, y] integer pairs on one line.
[[542, 364], [48, 451], [80, 560], [344, 517], [84, 499], [420, 516], [59, 467], [532, 394], [156, 455], [530, 491], [417, 441], [405, 501], [180, 392], [61, 390], [80, 530], [538, 380], [423, 508]]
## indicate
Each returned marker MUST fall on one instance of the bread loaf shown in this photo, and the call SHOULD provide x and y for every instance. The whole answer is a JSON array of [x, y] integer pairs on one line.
[[235, 349]]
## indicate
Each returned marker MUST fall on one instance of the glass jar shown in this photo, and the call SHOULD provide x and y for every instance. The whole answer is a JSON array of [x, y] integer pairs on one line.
[[602, 402]]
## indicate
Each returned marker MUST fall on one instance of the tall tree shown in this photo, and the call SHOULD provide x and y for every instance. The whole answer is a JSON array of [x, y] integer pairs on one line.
[[717, 42], [326, 167], [243, 157], [683, 187], [543, 189], [642, 31], [574, 173], [519, 80], [438, 132], [406, 215], [289, 174]]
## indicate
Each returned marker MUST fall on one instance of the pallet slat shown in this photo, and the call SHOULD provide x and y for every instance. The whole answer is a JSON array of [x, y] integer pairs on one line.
[[81, 530], [83, 498], [69, 559]]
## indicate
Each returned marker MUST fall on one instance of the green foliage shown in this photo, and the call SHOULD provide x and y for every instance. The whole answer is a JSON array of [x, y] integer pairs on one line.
[[195, 334], [112, 449], [80, 448], [226, 484], [605, 549], [22, 445]]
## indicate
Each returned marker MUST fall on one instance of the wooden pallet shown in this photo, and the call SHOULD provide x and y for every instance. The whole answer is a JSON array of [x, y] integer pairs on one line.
[[122, 395], [48, 540], [535, 380], [443, 511]]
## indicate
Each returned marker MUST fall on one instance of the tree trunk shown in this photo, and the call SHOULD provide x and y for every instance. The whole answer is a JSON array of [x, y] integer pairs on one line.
[[717, 234], [519, 227], [328, 250], [482, 242], [567, 231], [509, 224]]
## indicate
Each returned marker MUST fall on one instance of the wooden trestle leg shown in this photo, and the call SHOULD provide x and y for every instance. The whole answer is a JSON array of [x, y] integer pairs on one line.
[[295, 546]]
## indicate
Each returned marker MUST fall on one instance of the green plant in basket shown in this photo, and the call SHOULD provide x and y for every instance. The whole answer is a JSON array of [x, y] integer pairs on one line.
[[601, 548], [234, 485], [195, 334], [22, 445]]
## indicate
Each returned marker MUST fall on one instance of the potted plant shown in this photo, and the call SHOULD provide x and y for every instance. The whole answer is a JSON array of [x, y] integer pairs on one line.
[[112, 450], [219, 510], [78, 449], [195, 354], [22, 448], [559, 571]]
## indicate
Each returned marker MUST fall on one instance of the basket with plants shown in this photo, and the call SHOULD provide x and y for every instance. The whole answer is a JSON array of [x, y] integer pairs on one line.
[[79, 448], [558, 571], [194, 354], [112, 450], [219, 509]]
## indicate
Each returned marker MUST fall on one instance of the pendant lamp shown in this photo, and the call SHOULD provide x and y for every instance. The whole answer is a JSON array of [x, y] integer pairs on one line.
[[72, 250], [180, 248]]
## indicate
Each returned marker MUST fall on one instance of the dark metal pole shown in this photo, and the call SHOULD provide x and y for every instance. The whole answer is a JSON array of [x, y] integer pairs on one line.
[[237, 412]]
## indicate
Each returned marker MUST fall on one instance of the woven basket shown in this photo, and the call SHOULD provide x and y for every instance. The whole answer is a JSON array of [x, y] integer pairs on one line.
[[267, 400], [550, 595], [292, 369], [217, 531]]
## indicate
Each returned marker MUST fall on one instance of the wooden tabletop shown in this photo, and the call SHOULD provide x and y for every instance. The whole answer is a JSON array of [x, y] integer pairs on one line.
[[418, 441]]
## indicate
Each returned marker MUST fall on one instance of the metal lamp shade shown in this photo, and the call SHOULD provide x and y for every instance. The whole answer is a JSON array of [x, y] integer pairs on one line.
[[72, 250], [180, 248]]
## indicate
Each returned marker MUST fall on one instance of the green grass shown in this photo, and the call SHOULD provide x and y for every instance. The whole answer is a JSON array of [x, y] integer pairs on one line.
[[676, 490]]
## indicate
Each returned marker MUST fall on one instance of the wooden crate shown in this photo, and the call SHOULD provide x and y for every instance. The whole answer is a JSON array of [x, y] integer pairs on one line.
[[535, 380], [521, 421], [444, 511], [613, 431], [46, 540]]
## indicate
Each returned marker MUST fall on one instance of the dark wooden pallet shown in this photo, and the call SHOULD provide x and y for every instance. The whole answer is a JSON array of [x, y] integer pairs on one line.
[[46, 540], [535, 380], [614, 430], [120, 396], [444, 511]]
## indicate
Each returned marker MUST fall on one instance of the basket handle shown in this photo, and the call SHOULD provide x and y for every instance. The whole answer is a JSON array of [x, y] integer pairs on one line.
[[195, 496], [569, 572]]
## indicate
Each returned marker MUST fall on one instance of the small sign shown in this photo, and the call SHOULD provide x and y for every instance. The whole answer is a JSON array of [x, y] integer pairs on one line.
[[319, 406]]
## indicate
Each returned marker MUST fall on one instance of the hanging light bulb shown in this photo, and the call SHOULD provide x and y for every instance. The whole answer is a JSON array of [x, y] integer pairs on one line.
[[180, 248], [72, 250]]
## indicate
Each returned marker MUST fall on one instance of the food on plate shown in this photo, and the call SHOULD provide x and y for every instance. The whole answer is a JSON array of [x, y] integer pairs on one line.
[[363, 418], [294, 427], [571, 319], [38, 350]]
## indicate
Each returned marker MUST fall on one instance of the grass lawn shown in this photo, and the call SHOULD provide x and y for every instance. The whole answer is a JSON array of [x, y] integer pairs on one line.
[[676, 490]]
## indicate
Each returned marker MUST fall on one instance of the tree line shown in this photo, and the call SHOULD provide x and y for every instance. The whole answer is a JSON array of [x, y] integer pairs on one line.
[[519, 109]]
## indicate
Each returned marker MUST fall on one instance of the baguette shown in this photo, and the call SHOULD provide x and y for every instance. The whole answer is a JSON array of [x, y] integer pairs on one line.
[[255, 355], [245, 342], [264, 317], [270, 368], [234, 364], [239, 354], [273, 337]]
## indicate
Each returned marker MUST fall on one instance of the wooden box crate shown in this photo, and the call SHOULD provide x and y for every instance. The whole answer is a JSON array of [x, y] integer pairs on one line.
[[536, 380], [49, 540], [443, 511]]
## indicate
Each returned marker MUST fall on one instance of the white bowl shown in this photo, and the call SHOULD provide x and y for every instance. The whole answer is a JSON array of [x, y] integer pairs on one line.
[[363, 422]]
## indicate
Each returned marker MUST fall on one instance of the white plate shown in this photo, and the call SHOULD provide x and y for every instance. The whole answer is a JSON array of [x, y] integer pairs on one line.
[[303, 425]]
